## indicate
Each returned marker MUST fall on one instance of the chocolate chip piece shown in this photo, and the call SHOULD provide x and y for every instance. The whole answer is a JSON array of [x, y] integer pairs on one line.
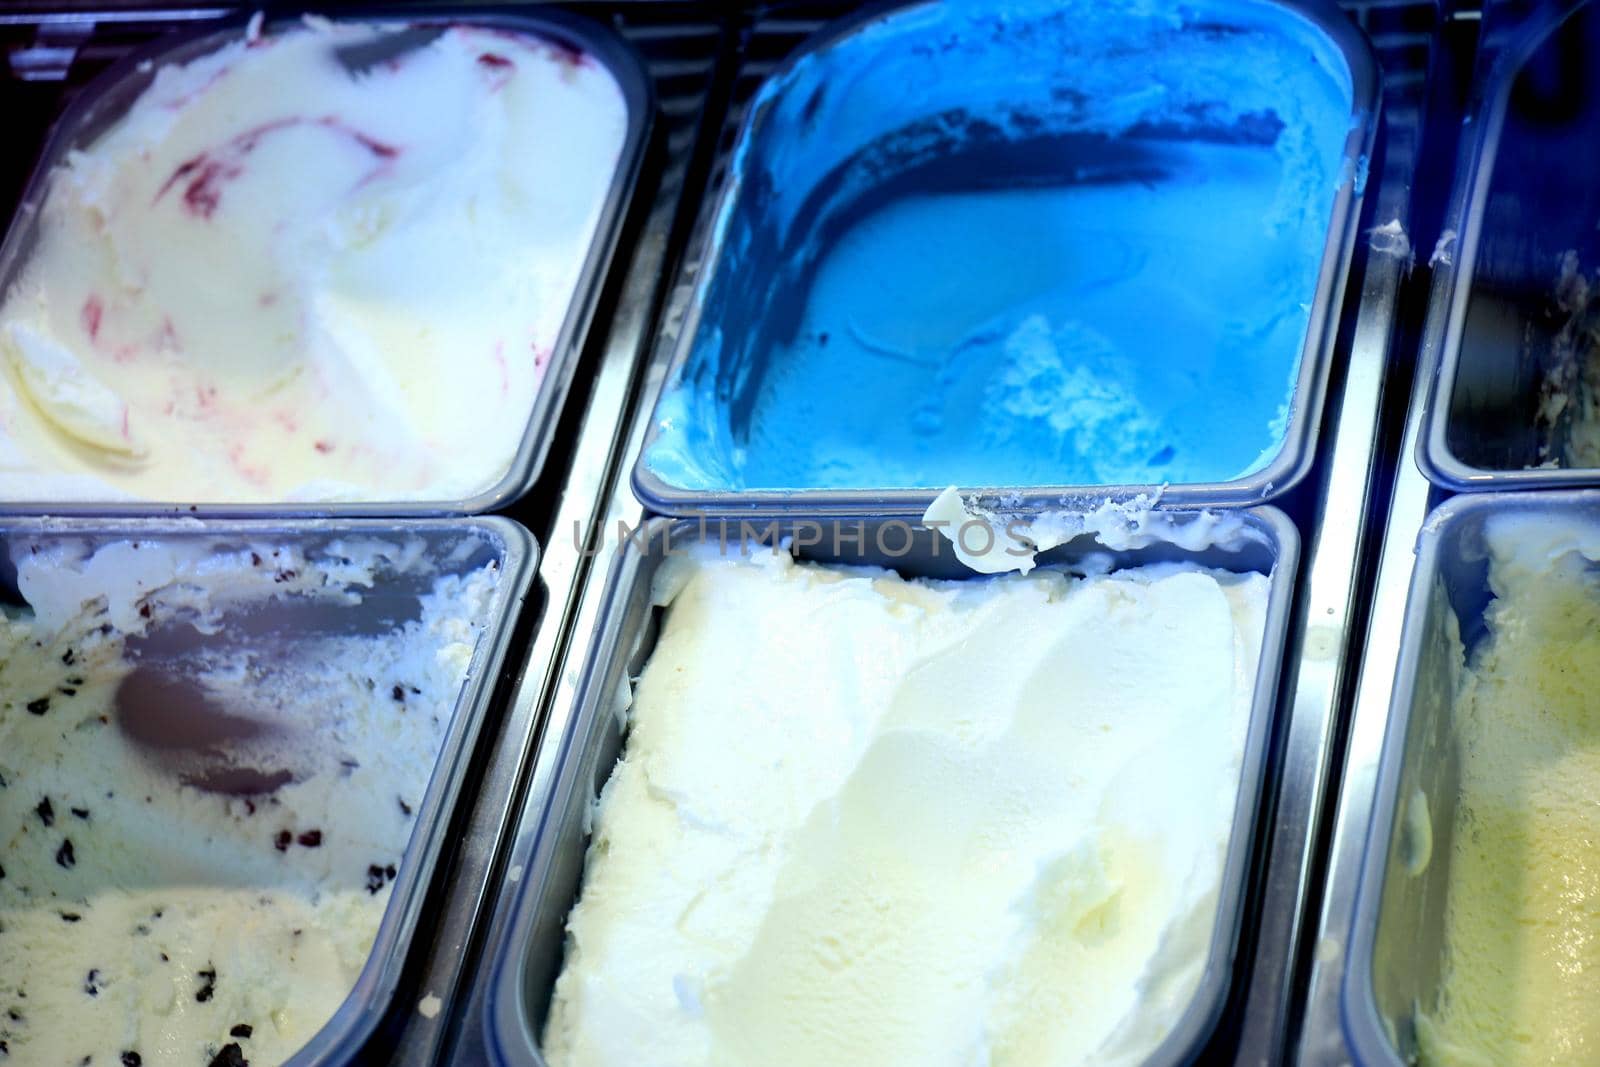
[[255, 559], [405, 809], [89, 985], [242, 1030], [46, 812], [82, 813], [131, 1059], [144, 611], [40, 706], [65, 856], [67, 657], [374, 879], [311, 839], [209, 978], [164, 958], [2, 872], [14, 1015], [231, 1055], [67, 691], [388, 869], [398, 692], [281, 840], [70, 916]]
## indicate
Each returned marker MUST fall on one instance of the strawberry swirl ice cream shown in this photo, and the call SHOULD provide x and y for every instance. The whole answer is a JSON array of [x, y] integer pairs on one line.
[[328, 263]]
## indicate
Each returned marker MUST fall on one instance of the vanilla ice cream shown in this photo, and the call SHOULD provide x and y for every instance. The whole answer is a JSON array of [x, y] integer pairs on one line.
[[309, 266], [1521, 978], [147, 914], [867, 820]]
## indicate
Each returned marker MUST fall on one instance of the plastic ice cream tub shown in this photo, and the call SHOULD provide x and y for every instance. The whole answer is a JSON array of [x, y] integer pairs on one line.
[[1515, 384], [373, 297], [526, 962], [1429, 788], [269, 641], [930, 264]]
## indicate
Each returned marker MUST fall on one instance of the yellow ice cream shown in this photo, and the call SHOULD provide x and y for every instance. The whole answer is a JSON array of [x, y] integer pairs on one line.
[[1522, 975]]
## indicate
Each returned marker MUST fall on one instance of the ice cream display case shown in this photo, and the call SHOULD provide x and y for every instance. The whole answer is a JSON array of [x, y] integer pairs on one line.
[[1261, 1015], [723, 98]]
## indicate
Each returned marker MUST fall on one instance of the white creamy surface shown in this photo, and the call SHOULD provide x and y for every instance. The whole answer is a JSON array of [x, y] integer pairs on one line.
[[274, 279], [141, 915], [865, 820]]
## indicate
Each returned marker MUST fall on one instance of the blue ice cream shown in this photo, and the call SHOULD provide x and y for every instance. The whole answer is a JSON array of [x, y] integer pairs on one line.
[[1021, 244]]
